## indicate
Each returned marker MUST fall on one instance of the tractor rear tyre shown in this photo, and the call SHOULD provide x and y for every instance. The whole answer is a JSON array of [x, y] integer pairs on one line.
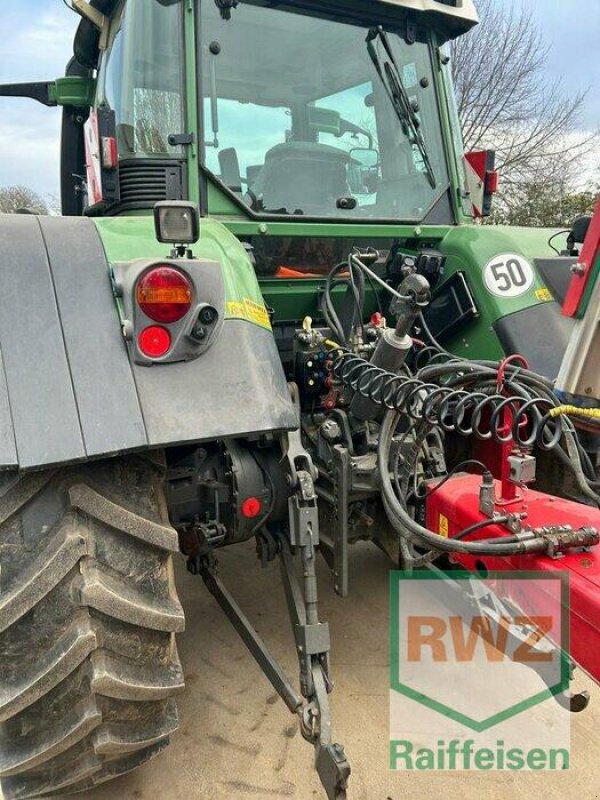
[[88, 617]]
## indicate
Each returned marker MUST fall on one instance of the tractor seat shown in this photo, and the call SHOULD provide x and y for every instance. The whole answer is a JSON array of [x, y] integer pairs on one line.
[[230, 169], [304, 176]]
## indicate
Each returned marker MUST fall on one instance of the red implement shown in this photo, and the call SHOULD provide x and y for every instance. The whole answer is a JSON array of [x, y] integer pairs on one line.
[[455, 506]]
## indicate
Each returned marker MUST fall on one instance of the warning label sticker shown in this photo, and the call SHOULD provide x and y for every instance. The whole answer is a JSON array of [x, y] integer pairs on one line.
[[443, 526], [543, 295], [248, 309]]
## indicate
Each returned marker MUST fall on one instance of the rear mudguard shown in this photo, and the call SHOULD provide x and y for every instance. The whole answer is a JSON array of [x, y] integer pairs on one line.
[[68, 389]]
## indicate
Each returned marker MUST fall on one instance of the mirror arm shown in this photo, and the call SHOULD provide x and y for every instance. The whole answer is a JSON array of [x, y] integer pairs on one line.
[[41, 92], [349, 127]]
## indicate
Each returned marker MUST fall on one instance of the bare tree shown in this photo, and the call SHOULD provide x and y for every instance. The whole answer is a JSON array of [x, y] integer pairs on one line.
[[16, 198], [507, 103]]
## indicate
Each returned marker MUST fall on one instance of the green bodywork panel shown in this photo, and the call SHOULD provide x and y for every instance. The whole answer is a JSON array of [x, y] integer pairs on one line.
[[468, 248], [132, 237], [73, 91]]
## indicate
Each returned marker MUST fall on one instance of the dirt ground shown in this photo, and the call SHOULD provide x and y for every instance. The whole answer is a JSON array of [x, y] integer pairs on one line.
[[238, 742]]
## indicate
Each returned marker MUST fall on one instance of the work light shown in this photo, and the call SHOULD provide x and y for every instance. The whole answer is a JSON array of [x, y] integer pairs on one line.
[[177, 222]]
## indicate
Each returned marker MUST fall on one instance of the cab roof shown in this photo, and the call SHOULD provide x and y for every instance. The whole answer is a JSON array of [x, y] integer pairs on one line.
[[450, 18], [459, 15]]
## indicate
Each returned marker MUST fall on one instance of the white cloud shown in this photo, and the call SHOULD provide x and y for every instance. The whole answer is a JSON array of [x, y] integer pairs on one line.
[[36, 46], [39, 46], [29, 148]]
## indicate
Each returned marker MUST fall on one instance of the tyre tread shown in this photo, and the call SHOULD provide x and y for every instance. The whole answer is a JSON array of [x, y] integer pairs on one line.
[[104, 706]]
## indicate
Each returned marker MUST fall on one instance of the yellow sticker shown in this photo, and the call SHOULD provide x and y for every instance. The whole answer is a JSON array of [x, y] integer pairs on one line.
[[257, 313], [249, 310], [443, 529], [544, 295], [236, 309]]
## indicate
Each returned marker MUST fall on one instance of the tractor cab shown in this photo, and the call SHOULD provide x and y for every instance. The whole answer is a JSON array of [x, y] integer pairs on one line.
[[306, 129], [299, 118], [253, 190], [285, 113]]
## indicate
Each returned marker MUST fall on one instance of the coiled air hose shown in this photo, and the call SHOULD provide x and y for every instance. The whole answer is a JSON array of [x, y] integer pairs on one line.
[[463, 390], [448, 405]]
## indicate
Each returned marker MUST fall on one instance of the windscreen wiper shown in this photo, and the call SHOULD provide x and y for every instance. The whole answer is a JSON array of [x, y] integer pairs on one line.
[[392, 80]]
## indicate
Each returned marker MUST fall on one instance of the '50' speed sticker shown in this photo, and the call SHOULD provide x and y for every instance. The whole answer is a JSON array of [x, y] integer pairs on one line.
[[508, 275]]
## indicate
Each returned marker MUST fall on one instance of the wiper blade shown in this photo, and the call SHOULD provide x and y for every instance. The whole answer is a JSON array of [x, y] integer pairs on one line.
[[396, 90]]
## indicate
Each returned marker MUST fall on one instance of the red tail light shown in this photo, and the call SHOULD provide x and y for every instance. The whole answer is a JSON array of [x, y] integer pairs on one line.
[[251, 507], [164, 294], [154, 341]]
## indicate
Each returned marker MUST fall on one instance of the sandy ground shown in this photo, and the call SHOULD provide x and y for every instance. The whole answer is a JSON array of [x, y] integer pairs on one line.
[[237, 741]]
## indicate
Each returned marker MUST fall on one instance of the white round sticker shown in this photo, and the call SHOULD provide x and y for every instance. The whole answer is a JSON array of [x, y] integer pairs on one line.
[[508, 275]]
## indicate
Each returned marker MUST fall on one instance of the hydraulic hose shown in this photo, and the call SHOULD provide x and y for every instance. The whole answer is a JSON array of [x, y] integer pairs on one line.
[[409, 529], [447, 405], [451, 391]]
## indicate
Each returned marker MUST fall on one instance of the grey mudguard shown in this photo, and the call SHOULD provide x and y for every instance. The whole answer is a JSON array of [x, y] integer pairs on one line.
[[68, 390]]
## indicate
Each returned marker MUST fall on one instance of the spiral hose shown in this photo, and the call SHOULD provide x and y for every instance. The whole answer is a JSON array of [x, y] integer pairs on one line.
[[481, 412]]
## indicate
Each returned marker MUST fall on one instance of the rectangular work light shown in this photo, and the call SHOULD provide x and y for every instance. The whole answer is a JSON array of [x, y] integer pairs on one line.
[[177, 222]]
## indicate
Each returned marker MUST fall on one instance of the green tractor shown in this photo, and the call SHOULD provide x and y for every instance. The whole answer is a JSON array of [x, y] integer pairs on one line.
[[197, 353]]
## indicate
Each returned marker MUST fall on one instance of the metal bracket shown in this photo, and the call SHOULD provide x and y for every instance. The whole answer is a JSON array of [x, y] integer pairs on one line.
[[97, 18], [411, 29], [499, 611], [304, 514], [225, 7], [293, 450], [180, 139], [333, 770], [341, 489]]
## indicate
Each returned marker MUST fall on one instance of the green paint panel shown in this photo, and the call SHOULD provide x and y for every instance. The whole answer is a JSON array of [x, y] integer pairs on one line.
[[74, 91], [128, 238], [352, 230], [191, 89], [469, 248]]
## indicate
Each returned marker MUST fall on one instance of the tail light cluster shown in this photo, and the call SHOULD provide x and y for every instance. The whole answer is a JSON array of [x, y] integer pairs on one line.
[[173, 311], [163, 294]]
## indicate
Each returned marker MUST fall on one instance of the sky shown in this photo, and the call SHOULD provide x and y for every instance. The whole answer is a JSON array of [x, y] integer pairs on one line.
[[37, 43]]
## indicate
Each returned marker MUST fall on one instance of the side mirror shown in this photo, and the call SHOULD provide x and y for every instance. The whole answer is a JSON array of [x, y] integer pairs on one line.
[[482, 180], [366, 157], [72, 90]]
